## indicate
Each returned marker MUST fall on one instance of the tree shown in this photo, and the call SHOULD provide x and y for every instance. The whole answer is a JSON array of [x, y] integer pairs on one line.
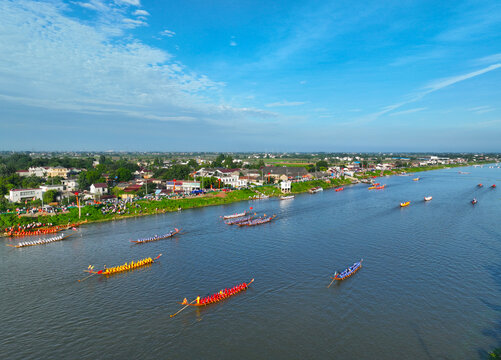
[[50, 196], [124, 174], [322, 165]]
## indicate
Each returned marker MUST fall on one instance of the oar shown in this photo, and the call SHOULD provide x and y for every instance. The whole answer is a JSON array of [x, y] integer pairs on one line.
[[183, 308], [333, 279], [85, 278]]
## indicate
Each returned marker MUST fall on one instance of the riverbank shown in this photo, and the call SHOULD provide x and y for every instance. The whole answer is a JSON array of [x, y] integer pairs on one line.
[[151, 207]]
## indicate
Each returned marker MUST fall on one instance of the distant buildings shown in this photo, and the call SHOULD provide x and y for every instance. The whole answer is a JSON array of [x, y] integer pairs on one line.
[[18, 195]]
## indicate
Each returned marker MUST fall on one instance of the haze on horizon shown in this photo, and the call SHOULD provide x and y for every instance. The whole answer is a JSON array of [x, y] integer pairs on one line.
[[144, 75]]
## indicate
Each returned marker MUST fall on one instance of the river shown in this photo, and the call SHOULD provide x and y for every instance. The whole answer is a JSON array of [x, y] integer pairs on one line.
[[430, 286]]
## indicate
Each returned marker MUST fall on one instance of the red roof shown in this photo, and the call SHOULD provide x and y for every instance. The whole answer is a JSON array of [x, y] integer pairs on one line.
[[22, 171], [100, 185]]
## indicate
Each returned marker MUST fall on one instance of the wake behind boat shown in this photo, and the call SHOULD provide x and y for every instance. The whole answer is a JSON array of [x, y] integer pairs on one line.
[[156, 237]]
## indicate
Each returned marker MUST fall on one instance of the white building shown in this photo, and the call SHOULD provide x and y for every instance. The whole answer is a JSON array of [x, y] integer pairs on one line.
[[99, 189], [286, 186], [70, 184], [38, 171], [17, 195], [234, 181], [46, 188]]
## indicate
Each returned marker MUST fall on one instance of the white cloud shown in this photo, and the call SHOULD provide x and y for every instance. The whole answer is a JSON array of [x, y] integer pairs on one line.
[[481, 109], [141, 13], [167, 33], [410, 111], [490, 59], [129, 2], [134, 23], [285, 103], [233, 43], [302, 82], [455, 79], [54, 62]]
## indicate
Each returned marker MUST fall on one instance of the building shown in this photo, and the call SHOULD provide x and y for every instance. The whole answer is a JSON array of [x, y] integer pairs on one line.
[[23, 173], [46, 188], [17, 195], [38, 171], [182, 186], [234, 181], [286, 186], [57, 171], [99, 189], [275, 172], [70, 184]]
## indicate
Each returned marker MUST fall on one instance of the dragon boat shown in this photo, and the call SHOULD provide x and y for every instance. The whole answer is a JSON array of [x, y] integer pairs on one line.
[[381, 187], [122, 268], [340, 189], [371, 187], [239, 220], [348, 272], [221, 295], [234, 215], [40, 241], [316, 189], [259, 221], [404, 204], [156, 237], [44, 231], [287, 197]]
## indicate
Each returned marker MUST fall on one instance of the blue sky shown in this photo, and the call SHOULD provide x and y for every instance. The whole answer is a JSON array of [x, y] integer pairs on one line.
[[250, 75]]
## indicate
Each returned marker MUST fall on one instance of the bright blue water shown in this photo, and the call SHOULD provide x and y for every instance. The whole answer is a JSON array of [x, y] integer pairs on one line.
[[430, 286]]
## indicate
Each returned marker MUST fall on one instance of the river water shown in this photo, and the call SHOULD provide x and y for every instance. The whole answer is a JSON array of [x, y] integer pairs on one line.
[[430, 286]]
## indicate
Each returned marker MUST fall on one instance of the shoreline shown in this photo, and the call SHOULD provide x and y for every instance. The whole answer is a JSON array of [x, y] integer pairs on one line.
[[163, 206]]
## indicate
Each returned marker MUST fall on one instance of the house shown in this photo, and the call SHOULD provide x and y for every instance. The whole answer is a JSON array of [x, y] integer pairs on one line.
[[38, 171], [57, 171], [46, 188], [99, 189], [290, 172], [70, 184], [23, 173], [182, 186], [286, 186], [17, 195], [234, 181]]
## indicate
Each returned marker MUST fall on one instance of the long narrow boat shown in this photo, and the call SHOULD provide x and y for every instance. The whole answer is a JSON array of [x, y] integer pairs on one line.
[[156, 237], [315, 190], [380, 187], [348, 272], [427, 198], [480, 185], [371, 187], [221, 295], [234, 215], [239, 220], [404, 204], [289, 197], [40, 241], [340, 189], [416, 179], [44, 231], [259, 221], [121, 268]]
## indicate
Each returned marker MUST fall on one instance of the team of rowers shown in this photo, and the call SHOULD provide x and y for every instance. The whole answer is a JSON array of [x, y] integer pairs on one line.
[[40, 241], [156, 237], [258, 221], [222, 294], [127, 266]]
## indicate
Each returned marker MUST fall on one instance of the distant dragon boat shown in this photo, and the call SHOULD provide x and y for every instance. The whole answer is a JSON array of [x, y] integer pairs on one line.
[[316, 189], [44, 231], [404, 204], [380, 187], [239, 220], [480, 185], [234, 215], [289, 197], [493, 186], [427, 198], [340, 189], [371, 187], [40, 241], [415, 179], [347, 272], [474, 201], [259, 221], [156, 237], [122, 268]]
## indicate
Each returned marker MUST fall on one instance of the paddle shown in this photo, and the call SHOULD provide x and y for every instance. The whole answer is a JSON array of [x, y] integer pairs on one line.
[[85, 278], [183, 308], [333, 279]]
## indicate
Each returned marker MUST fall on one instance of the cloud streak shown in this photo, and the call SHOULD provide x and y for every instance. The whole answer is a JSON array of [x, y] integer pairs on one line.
[[285, 103]]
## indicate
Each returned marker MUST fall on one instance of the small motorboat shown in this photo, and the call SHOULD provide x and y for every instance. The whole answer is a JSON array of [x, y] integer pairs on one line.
[[474, 201], [427, 198], [416, 179], [404, 204], [480, 185], [493, 186]]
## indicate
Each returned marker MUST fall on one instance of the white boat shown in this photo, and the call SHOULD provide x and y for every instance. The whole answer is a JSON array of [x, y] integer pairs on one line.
[[234, 215], [316, 189], [287, 197], [427, 198]]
